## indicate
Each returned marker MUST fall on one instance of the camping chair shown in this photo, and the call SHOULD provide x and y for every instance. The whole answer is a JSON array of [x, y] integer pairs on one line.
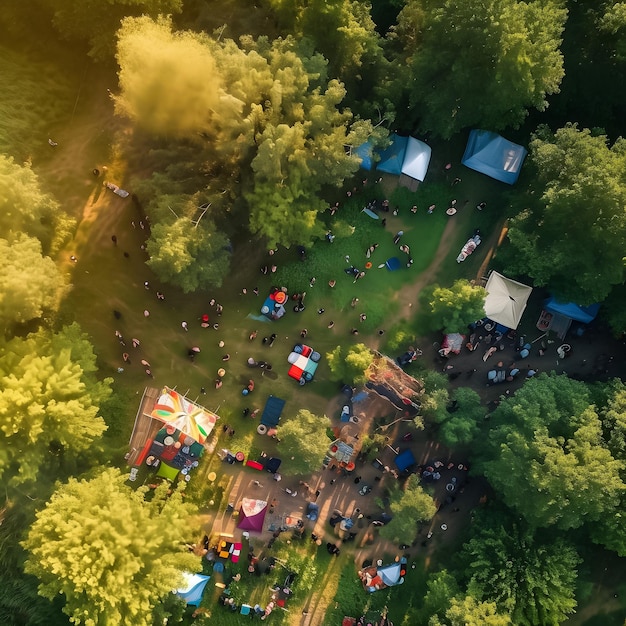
[[245, 609]]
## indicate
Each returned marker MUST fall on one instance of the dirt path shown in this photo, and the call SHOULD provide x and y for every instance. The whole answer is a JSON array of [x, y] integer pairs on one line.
[[408, 297]]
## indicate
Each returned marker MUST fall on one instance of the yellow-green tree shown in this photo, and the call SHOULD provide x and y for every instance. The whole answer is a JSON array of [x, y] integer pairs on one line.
[[452, 308], [350, 365], [409, 506], [112, 552], [25, 209], [49, 398], [30, 283], [304, 440]]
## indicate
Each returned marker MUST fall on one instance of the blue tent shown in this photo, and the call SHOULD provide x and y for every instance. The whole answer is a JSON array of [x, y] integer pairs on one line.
[[584, 314], [392, 158], [393, 264], [366, 153], [193, 588], [493, 155], [405, 460], [272, 411]]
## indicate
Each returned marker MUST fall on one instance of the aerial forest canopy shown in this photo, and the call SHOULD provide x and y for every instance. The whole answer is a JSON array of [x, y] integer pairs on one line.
[[570, 235], [478, 63], [267, 110]]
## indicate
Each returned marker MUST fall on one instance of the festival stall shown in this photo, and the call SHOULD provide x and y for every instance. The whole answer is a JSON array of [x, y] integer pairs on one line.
[[274, 306], [381, 576], [304, 361]]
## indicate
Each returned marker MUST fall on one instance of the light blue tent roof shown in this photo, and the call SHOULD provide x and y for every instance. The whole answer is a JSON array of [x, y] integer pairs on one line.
[[193, 588], [584, 314], [391, 574], [493, 155], [366, 153], [392, 158]]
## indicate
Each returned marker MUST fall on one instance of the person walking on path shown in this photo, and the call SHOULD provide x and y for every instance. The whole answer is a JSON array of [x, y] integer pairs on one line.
[[396, 239]]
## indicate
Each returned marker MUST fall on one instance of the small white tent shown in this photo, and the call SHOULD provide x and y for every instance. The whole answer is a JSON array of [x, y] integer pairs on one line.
[[506, 300], [415, 164]]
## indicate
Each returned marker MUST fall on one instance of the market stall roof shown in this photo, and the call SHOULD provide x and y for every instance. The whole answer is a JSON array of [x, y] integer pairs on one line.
[[252, 515], [182, 414], [506, 300], [576, 312]]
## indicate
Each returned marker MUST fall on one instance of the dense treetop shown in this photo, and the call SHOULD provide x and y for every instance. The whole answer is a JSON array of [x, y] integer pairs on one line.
[[110, 550], [478, 63], [571, 234]]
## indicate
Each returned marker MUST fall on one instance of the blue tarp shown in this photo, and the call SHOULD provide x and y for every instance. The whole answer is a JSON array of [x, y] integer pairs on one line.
[[493, 155], [405, 460], [584, 314], [193, 588], [366, 153], [393, 264], [272, 411], [392, 158]]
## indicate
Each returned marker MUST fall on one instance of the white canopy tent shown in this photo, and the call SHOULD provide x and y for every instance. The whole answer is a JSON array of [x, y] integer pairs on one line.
[[415, 164], [506, 300]]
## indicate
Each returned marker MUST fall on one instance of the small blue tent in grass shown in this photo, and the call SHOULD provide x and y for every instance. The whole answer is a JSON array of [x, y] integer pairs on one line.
[[193, 588], [493, 155]]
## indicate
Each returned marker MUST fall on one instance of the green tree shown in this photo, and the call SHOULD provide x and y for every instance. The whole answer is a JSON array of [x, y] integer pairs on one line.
[[468, 611], [572, 234], [409, 506], [547, 456], [342, 30], [462, 422], [531, 579], [435, 397], [190, 255], [610, 530], [25, 209], [442, 587], [451, 309], [515, 61], [31, 285], [304, 438], [48, 402], [96, 23], [267, 111], [350, 366], [111, 551]]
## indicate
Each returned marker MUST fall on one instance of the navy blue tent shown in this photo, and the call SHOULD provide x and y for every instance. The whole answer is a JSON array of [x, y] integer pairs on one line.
[[392, 158], [272, 411], [393, 264], [272, 465], [493, 155], [405, 460]]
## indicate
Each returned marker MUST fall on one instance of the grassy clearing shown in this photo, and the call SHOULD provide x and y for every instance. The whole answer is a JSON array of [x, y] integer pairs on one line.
[[35, 102]]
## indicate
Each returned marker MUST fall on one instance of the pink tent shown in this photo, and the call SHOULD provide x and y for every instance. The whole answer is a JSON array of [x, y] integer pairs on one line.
[[252, 515]]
